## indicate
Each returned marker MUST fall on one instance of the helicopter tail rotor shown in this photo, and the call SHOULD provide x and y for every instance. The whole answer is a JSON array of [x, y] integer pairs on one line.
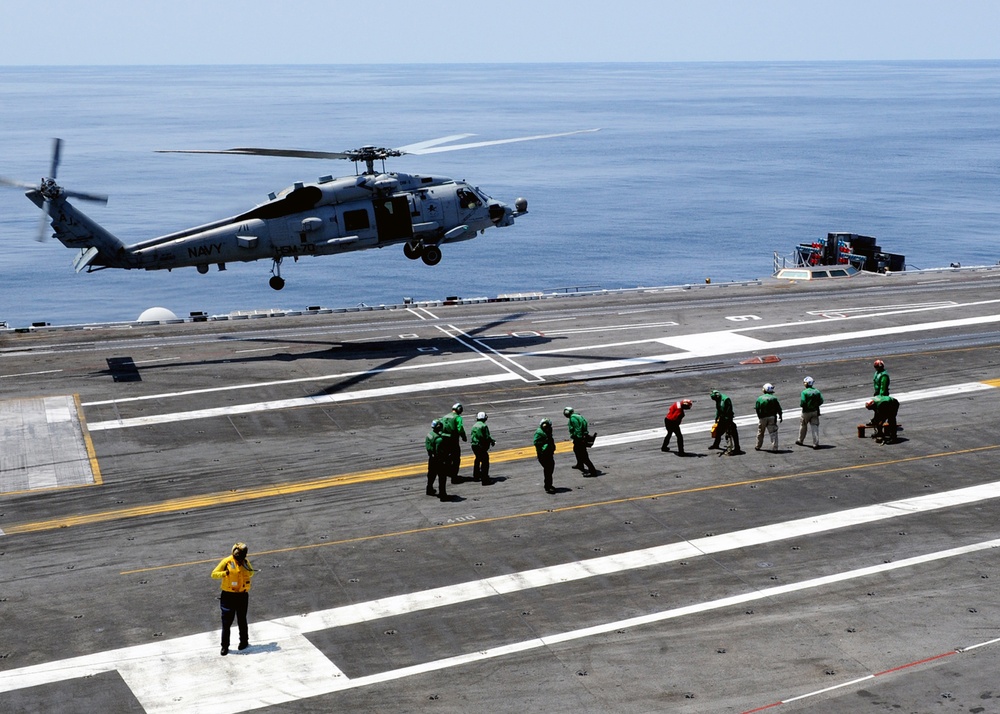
[[41, 235], [56, 153], [49, 190]]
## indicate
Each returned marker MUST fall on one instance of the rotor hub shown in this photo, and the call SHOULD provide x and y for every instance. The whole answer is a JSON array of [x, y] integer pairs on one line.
[[370, 154], [49, 188]]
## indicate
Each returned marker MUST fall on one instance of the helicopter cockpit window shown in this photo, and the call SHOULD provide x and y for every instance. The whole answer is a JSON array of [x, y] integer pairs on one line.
[[468, 199]]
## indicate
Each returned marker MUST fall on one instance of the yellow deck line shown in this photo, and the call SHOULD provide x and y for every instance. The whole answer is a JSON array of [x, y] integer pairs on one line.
[[581, 506], [88, 443], [285, 489], [238, 495]]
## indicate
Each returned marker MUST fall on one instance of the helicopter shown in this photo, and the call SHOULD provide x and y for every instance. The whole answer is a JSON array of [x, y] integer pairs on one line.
[[372, 209]]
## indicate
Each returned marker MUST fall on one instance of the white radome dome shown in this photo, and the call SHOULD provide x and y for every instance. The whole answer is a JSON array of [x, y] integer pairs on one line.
[[156, 314]]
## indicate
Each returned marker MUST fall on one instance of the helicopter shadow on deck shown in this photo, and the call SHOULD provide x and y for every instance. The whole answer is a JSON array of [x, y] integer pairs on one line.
[[389, 353]]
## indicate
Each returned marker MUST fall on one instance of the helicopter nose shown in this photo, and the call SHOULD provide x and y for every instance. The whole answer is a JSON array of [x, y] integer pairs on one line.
[[497, 211]]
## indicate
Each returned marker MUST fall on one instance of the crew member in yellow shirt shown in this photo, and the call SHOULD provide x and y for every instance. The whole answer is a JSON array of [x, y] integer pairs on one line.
[[235, 572]]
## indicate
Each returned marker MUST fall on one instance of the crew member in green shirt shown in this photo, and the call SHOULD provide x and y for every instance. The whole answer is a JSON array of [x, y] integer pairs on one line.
[[768, 415], [452, 430], [880, 380], [810, 401], [481, 443], [435, 469], [545, 450], [725, 424], [581, 440], [883, 418]]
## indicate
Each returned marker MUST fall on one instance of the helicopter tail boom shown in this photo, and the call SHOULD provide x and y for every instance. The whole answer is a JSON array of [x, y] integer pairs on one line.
[[74, 229]]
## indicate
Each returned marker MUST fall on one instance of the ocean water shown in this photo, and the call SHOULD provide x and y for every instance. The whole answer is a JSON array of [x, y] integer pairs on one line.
[[699, 171]]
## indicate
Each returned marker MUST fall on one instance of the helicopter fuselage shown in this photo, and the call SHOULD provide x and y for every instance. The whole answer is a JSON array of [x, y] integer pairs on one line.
[[333, 215], [330, 216]]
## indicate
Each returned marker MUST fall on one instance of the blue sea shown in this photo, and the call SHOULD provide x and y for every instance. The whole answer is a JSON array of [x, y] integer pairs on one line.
[[699, 171]]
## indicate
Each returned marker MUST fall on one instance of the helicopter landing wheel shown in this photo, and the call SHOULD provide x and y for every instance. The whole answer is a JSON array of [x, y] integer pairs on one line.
[[276, 282], [431, 255], [413, 250]]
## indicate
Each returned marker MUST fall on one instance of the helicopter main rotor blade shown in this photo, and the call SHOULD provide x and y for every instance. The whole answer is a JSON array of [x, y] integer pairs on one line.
[[371, 153], [250, 151], [415, 148], [17, 184], [305, 154], [494, 142]]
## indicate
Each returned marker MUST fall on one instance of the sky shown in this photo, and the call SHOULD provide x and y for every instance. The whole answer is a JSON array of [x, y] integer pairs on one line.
[[150, 32]]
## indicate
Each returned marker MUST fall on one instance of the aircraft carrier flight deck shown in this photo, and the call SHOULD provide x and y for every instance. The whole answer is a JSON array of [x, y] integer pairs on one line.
[[857, 576]]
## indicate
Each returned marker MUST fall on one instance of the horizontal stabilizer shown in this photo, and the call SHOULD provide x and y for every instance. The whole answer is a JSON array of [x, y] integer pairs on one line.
[[85, 258]]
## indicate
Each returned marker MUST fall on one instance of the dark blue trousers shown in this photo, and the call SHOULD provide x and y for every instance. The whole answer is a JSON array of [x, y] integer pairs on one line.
[[234, 606]]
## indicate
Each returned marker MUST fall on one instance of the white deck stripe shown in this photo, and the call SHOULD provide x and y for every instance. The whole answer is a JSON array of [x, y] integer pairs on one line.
[[710, 344], [283, 668], [313, 401], [641, 620], [693, 345], [514, 368], [280, 382], [793, 414]]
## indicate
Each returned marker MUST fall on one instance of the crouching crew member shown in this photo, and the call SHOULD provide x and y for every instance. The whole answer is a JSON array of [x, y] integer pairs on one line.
[[884, 410], [235, 572]]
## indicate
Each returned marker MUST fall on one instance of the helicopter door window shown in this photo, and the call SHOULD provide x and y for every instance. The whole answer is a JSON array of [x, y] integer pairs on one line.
[[356, 220], [468, 199]]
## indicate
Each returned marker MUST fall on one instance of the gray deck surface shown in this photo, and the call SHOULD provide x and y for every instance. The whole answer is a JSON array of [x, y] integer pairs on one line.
[[854, 577]]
